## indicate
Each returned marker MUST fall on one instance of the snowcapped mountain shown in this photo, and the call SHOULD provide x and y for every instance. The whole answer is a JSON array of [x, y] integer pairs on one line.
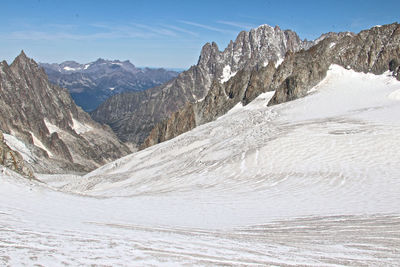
[[41, 122], [375, 50], [133, 115], [312, 182], [92, 83]]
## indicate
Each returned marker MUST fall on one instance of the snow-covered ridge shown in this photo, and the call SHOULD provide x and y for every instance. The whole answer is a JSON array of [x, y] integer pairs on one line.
[[351, 90]]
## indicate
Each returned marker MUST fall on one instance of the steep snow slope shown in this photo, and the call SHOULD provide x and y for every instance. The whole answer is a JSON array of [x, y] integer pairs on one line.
[[314, 181]]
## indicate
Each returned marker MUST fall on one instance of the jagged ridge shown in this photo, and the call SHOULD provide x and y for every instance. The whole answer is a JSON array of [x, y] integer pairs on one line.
[[59, 135], [376, 50], [133, 115], [92, 83]]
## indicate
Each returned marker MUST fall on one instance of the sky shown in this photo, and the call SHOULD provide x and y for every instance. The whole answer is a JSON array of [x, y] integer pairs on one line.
[[166, 33]]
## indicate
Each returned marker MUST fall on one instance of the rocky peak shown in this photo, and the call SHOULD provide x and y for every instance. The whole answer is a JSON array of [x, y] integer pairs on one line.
[[376, 50], [23, 63], [22, 57], [208, 57], [133, 115], [100, 61], [58, 134]]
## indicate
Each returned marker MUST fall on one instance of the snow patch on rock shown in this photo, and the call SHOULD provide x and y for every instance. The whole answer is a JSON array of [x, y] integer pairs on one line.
[[19, 146], [227, 74], [279, 62], [71, 69], [79, 127], [39, 143], [51, 127]]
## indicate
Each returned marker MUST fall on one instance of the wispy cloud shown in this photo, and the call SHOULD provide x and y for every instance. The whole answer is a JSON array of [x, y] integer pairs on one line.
[[97, 31], [156, 29], [240, 25], [179, 29], [207, 27], [51, 36], [100, 31]]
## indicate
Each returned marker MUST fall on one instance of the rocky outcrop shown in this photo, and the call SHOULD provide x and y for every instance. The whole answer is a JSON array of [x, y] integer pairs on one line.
[[92, 83], [13, 160], [133, 115], [242, 88], [58, 135], [376, 50]]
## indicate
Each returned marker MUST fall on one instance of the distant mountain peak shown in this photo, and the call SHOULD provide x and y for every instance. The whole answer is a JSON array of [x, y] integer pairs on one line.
[[92, 83]]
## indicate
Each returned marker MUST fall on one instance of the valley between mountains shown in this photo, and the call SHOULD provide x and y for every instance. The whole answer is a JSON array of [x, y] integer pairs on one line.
[[276, 151]]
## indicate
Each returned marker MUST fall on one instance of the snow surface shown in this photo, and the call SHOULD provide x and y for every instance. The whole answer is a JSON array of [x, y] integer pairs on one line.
[[310, 182], [227, 74]]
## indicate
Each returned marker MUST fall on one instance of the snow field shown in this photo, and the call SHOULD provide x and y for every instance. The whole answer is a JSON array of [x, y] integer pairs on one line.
[[311, 182]]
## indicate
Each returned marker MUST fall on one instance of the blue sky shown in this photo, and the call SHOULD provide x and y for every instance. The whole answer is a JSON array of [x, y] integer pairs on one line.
[[166, 33]]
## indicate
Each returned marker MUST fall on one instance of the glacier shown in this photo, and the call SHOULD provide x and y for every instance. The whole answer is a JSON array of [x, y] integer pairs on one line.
[[313, 182]]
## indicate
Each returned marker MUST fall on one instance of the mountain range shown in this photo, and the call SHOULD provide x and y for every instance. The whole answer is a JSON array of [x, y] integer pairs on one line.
[[263, 59], [375, 50], [133, 115], [92, 83], [41, 121], [275, 151]]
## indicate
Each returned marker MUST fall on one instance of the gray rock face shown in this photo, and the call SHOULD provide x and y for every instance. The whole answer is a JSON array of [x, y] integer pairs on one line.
[[92, 83], [13, 160], [376, 50], [58, 135], [133, 115]]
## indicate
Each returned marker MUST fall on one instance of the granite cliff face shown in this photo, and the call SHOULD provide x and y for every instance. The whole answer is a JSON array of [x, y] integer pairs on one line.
[[42, 122], [92, 83], [375, 50], [133, 115]]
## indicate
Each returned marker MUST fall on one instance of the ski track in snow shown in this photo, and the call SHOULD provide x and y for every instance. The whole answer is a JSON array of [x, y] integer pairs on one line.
[[312, 182]]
